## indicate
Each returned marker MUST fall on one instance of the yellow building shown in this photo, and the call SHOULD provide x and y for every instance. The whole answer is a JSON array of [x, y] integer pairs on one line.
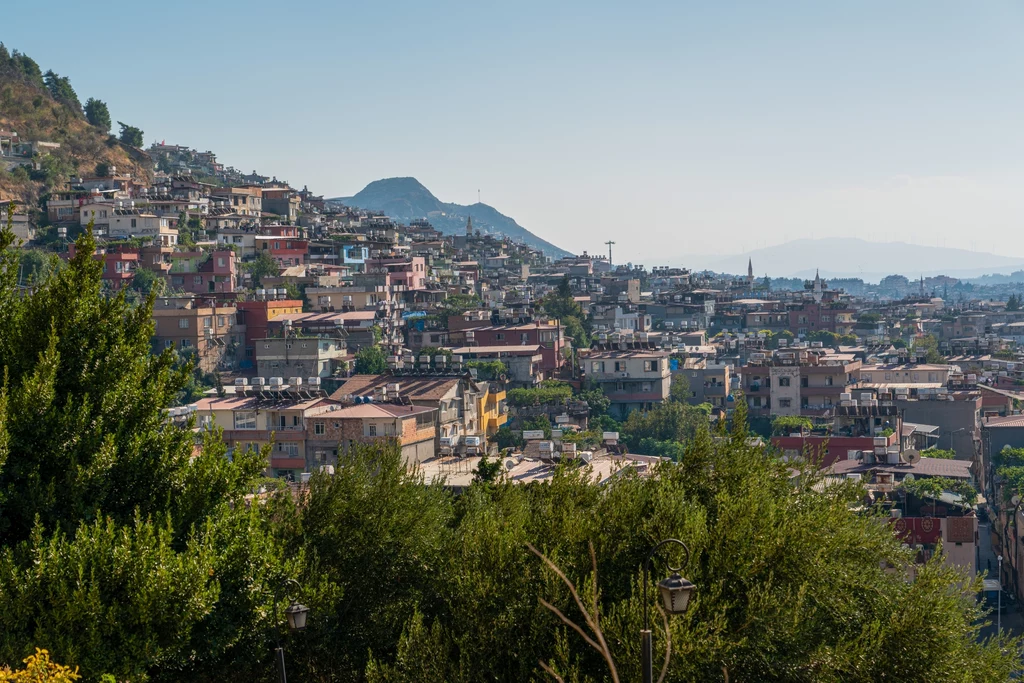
[[492, 408]]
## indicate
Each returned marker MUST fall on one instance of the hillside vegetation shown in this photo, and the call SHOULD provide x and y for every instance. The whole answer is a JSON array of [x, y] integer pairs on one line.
[[45, 106]]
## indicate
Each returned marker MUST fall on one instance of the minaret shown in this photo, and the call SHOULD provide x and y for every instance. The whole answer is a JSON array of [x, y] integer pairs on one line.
[[469, 227], [817, 286], [750, 272]]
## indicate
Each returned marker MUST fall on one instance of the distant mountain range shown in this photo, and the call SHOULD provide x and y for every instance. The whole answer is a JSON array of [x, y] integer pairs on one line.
[[406, 199], [870, 261]]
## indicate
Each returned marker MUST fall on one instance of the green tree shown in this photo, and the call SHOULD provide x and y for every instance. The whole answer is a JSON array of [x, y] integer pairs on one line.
[[97, 114], [144, 281], [679, 389], [260, 267], [487, 470], [488, 370], [506, 438], [560, 304], [371, 360], [539, 423], [457, 304], [929, 345], [91, 475], [130, 135], [1013, 303], [61, 90], [784, 425]]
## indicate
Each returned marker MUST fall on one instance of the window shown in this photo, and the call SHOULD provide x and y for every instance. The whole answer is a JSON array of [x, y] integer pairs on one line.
[[220, 321], [650, 366], [133, 223], [597, 366], [803, 381], [645, 387], [500, 336], [828, 380], [186, 343], [245, 419], [182, 323], [290, 449], [620, 366], [220, 261], [207, 322], [783, 381], [372, 430], [785, 402], [197, 279], [295, 420], [282, 421], [168, 343], [319, 428], [524, 337]]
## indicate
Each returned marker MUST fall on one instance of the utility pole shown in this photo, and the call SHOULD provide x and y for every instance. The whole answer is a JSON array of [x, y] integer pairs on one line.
[[609, 243]]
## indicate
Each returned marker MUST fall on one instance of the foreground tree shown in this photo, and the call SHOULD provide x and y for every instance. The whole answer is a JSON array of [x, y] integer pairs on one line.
[[113, 530]]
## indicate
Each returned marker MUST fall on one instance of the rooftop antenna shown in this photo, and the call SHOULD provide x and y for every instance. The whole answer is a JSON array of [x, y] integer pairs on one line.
[[478, 196], [609, 243]]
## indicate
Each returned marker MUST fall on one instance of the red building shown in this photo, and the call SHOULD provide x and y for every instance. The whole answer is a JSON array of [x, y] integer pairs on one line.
[[548, 335], [119, 266], [287, 251], [256, 315]]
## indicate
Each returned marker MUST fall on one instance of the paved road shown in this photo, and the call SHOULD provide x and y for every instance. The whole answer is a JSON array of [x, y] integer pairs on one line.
[[1013, 619]]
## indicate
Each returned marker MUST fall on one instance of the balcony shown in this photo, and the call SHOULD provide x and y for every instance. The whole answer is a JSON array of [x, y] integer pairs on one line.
[[828, 390], [288, 463]]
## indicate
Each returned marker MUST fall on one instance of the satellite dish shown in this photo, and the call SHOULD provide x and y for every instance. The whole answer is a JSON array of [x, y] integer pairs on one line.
[[911, 457], [909, 477], [510, 464], [1015, 500]]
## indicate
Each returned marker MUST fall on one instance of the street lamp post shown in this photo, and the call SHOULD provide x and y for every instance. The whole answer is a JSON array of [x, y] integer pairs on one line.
[[999, 599], [296, 614], [675, 594]]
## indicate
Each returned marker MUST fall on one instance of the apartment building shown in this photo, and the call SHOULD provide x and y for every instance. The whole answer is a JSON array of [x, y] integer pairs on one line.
[[202, 272], [548, 335], [455, 396], [243, 201], [333, 429], [301, 356], [633, 378], [256, 315], [202, 326], [797, 381]]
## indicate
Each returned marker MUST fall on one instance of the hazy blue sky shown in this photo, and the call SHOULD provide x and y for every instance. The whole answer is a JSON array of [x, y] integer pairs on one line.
[[675, 128]]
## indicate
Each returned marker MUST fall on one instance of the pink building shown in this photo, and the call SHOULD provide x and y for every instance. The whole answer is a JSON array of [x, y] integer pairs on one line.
[[410, 271], [200, 273]]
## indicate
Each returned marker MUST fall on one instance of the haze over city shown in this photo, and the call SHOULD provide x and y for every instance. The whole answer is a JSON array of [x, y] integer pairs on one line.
[[675, 128]]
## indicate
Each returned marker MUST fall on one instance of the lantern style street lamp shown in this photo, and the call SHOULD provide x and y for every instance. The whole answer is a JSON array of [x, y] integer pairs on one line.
[[296, 614], [675, 592]]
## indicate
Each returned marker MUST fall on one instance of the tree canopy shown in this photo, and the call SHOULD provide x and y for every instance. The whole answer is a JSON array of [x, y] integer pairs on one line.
[[130, 549], [130, 135], [97, 114], [371, 360]]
